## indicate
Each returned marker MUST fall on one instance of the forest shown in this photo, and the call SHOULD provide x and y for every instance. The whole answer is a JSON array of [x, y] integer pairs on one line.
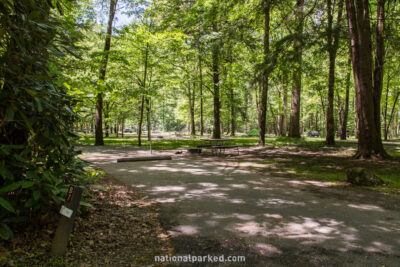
[[225, 68], [304, 90]]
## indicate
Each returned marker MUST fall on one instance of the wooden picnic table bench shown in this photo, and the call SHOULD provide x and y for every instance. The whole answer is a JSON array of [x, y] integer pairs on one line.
[[217, 145]]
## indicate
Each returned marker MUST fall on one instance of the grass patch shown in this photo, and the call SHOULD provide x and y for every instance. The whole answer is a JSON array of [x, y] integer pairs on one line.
[[165, 144], [319, 173]]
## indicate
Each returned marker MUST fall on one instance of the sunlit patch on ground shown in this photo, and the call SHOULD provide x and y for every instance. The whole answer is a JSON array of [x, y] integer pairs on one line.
[[204, 196]]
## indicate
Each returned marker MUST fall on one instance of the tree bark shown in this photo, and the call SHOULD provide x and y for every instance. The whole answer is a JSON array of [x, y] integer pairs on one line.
[[333, 44], [391, 114], [201, 94], [294, 127], [217, 103], [262, 105], [191, 98], [369, 141], [103, 68], [140, 124], [379, 62], [284, 112], [144, 99], [385, 128], [343, 134], [148, 115], [233, 112], [106, 116], [122, 126]]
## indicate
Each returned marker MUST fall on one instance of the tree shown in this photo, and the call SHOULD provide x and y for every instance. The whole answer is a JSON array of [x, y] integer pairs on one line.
[[103, 68], [263, 94], [369, 141], [343, 127], [333, 45], [36, 109], [294, 126]]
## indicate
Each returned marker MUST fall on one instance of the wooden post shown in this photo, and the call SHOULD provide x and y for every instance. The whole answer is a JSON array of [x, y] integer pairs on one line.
[[64, 229]]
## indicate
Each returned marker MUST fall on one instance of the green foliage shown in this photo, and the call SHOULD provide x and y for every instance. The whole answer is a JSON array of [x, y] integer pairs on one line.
[[253, 132], [37, 161]]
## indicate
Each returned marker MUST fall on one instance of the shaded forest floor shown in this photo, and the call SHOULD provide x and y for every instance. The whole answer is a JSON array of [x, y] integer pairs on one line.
[[327, 164], [122, 229], [260, 204], [303, 158], [124, 220]]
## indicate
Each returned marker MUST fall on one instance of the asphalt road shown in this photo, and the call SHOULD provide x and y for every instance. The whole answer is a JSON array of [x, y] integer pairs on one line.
[[210, 207]]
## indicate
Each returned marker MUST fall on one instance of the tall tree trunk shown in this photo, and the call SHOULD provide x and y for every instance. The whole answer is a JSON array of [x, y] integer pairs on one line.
[[191, 98], [140, 124], [279, 124], [103, 68], [294, 127], [217, 103], [369, 141], [343, 134], [391, 114], [148, 115], [201, 95], [245, 113], [284, 112], [262, 105], [379, 61], [106, 116], [106, 124], [233, 112], [333, 44], [144, 99], [122, 127], [385, 128]]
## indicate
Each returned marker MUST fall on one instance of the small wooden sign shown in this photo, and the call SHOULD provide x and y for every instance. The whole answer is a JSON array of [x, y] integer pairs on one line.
[[64, 229]]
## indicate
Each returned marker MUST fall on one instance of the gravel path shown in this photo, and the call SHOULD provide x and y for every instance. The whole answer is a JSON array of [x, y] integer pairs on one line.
[[212, 207]]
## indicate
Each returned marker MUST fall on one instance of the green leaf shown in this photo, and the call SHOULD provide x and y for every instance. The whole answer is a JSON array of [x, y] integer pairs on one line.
[[31, 175], [27, 184], [5, 172], [5, 232], [15, 219], [36, 195], [84, 203], [34, 14], [28, 124], [19, 158], [10, 187], [30, 202], [7, 205], [58, 199], [39, 105], [10, 113], [69, 110]]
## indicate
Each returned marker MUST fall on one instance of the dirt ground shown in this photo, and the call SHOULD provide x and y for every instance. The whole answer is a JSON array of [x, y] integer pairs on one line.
[[231, 206], [123, 229]]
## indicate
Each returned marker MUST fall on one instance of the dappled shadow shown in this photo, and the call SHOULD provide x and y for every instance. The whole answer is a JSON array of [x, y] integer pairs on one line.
[[272, 217]]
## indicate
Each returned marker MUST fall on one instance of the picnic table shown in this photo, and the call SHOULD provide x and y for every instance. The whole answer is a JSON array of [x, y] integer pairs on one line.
[[218, 145]]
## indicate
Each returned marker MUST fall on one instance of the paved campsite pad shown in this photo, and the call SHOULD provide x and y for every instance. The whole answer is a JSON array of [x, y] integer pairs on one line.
[[212, 208]]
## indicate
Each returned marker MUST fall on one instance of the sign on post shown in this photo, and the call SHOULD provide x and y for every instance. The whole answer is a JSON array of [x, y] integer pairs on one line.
[[65, 225]]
